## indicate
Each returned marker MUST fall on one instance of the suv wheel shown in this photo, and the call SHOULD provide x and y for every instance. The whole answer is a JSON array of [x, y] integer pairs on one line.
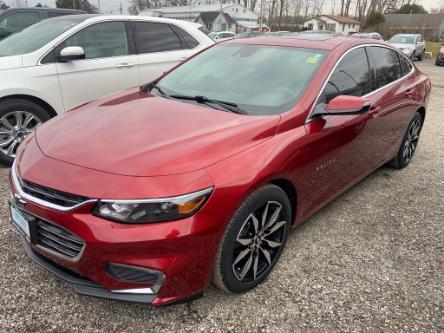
[[421, 56], [253, 241], [18, 118]]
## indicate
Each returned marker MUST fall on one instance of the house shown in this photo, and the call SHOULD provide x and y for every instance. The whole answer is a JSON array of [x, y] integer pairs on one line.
[[431, 26], [343, 25], [216, 21], [245, 19]]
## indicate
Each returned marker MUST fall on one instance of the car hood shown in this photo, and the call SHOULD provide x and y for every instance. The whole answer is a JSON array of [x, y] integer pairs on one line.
[[402, 46], [137, 134], [11, 62]]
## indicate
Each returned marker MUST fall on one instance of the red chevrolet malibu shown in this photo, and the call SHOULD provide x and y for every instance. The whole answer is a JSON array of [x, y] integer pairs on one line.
[[149, 194]]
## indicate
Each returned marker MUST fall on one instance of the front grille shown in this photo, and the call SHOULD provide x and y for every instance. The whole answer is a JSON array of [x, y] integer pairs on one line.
[[58, 240], [50, 195]]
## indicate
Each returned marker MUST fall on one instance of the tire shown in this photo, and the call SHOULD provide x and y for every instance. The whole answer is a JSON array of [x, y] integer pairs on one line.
[[408, 144], [14, 112], [230, 273], [421, 56]]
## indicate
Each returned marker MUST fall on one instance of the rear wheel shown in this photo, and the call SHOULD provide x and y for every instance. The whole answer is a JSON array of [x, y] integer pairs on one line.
[[253, 241], [18, 118], [409, 143], [421, 56]]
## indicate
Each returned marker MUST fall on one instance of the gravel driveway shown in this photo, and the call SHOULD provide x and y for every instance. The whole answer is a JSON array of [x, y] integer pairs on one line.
[[372, 260]]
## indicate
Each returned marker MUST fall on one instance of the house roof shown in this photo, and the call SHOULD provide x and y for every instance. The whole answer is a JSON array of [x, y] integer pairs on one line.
[[342, 19], [210, 17], [418, 20]]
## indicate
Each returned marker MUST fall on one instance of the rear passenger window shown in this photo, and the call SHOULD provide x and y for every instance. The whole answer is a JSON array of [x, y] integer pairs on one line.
[[351, 77], [155, 37], [188, 41], [385, 65], [406, 66]]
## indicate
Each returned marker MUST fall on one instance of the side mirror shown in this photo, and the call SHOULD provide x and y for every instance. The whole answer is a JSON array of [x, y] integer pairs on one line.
[[342, 105], [4, 32], [71, 53]]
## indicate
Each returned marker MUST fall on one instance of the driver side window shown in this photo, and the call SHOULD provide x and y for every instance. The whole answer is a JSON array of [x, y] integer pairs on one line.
[[351, 77]]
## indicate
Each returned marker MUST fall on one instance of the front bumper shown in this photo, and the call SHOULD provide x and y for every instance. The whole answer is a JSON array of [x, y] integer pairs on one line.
[[440, 60], [83, 285]]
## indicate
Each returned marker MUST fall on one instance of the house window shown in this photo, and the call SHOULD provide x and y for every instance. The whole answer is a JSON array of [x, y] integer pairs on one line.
[[224, 27], [310, 26], [330, 27], [209, 26]]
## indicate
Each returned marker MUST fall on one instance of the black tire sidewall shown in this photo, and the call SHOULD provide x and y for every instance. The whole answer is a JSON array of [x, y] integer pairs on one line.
[[399, 158], [11, 105], [252, 203]]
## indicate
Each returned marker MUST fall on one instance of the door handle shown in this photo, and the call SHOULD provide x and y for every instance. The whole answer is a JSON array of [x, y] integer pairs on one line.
[[125, 65], [183, 58]]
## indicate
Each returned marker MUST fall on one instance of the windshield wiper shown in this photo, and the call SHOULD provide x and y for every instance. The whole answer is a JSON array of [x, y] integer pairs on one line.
[[232, 107]]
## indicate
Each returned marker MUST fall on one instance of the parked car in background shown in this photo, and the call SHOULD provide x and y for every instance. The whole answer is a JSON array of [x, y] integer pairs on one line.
[[221, 36], [16, 19], [63, 62], [148, 194], [412, 45], [440, 57], [368, 35]]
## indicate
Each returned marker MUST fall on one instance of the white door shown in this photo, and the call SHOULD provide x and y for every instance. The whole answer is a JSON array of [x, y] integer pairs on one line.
[[109, 65], [160, 48]]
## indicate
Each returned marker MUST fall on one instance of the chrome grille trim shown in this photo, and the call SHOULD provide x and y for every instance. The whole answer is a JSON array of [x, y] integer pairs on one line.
[[21, 193]]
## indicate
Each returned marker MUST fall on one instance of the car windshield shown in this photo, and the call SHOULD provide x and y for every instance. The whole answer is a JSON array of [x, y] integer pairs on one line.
[[259, 79], [34, 37], [402, 40]]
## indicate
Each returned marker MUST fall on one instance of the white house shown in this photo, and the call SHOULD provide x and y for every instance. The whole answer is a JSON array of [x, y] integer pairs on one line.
[[245, 19], [338, 24]]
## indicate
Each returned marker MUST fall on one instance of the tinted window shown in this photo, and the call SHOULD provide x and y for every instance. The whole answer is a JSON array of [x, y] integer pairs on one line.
[[155, 37], [351, 77], [260, 79], [406, 66], [19, 21], [385, 65], [188, 41], [100, 40], [56, 14]]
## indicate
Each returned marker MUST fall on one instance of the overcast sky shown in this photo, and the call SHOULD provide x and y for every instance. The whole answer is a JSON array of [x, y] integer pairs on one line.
[[112, 6]]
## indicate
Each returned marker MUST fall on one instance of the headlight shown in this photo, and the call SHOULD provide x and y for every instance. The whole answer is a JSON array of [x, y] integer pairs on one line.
[[152, 210]]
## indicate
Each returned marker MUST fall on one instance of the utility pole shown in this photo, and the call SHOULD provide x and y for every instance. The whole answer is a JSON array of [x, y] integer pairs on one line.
[[100, 9], [121, 8], [73, 4]]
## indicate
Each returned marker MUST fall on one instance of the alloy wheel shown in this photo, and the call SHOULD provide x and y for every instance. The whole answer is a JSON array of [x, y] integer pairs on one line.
[[411, 141], [14, 127], [258, 242]]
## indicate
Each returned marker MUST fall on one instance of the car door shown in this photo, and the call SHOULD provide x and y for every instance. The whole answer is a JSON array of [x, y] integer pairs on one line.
[[340, 147], [391, 99], [160, 47], [110, 63]]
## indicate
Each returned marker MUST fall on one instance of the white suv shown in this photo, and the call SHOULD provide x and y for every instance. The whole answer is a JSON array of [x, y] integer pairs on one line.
[[63, 62]]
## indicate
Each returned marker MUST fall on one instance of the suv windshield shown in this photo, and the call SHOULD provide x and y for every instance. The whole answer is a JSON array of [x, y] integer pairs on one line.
[[258, 79], [402, 40], [34, 37]]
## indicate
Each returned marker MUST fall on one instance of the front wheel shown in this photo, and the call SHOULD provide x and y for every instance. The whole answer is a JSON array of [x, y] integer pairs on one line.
[[408, 144], [18, 118], [253, 241]]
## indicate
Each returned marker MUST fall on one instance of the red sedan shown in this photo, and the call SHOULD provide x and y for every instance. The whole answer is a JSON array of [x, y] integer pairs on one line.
[[150, 194]]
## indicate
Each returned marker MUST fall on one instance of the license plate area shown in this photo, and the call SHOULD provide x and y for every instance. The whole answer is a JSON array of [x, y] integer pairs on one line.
[[23, 221]]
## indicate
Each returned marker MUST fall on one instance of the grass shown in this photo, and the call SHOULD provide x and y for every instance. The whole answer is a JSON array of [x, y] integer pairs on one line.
[[433, 47]]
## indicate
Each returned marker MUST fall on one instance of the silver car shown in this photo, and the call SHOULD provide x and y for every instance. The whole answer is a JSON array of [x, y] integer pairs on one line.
[[412, 45]]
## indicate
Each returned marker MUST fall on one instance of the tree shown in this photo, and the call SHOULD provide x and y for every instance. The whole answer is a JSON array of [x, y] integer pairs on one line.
[[411, 9], [373, 19], [77, 4]]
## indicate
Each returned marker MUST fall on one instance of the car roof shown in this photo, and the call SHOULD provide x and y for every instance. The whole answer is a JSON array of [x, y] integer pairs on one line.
[[100, 18], [43, 9], [312, 41]]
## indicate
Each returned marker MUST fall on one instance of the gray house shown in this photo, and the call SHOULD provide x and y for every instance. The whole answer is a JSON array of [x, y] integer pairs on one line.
[[431, 26]]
